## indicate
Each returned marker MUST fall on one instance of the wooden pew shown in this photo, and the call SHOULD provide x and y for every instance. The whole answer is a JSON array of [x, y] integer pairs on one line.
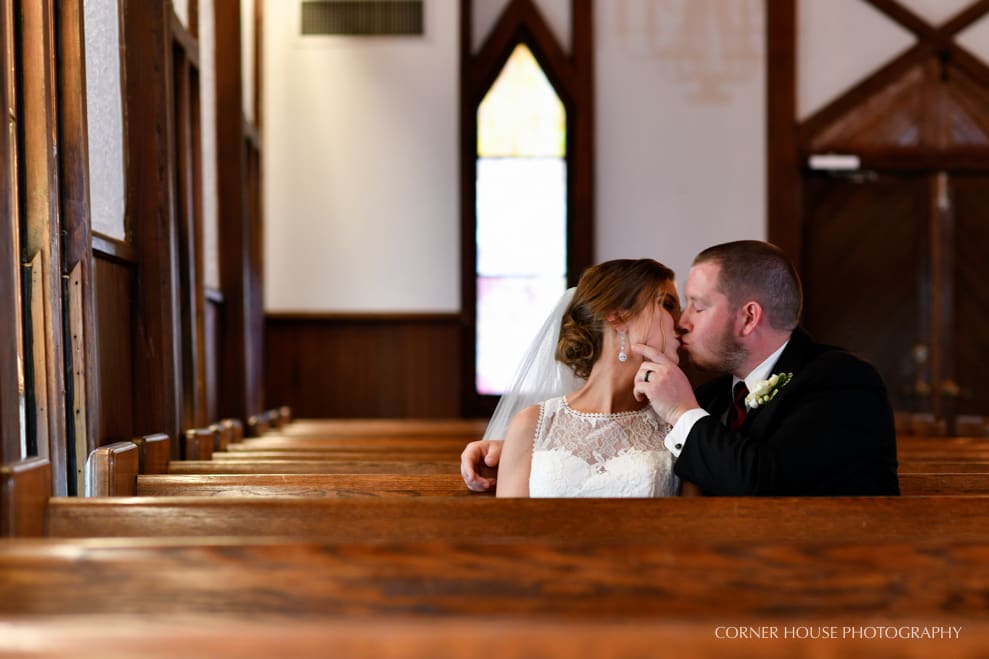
[[463, 428], [288, 466], [913, 448], [25, 487], [944, 467], [112, 470], [303, 485], [466, 518], [376, 485], [527, 578], [460, 637], [197, 443], [106, 460], [927, 484], [154, 452], [452, 444]]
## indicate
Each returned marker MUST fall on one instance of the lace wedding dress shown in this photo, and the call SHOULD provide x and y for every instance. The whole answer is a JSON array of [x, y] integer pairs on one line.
[[579, 454]]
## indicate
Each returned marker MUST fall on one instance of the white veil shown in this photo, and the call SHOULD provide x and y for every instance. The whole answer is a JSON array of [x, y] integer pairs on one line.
[[538, 376]]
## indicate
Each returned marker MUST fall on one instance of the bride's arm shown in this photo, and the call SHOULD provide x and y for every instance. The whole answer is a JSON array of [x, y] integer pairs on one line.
[[516, 454]]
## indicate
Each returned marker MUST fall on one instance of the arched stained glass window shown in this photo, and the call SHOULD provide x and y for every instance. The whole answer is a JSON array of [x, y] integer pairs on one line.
[[521, 215]]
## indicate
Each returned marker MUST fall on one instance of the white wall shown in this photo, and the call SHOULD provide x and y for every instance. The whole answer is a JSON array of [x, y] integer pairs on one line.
[[247, 55], [361, 179], [681, 140], [207, 109], [361, 193]]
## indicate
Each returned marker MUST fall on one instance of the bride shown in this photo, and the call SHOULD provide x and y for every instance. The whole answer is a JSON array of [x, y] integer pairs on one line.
[[597, 440]]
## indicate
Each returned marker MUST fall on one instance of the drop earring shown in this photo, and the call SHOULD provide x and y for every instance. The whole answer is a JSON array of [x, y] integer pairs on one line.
[[622, 355]]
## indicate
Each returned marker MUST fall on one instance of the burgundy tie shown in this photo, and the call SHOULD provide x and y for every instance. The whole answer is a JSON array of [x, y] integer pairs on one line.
[[736, 416]]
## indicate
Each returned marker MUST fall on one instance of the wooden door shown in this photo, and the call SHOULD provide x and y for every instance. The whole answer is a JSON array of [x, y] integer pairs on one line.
[[894, 269], [892, 253], [968, 334]]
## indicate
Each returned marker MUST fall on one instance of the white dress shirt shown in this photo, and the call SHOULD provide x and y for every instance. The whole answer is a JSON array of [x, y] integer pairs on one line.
[[676, 438]]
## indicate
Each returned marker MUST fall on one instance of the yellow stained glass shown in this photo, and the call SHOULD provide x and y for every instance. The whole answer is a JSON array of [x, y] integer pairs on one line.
[[521, 115]]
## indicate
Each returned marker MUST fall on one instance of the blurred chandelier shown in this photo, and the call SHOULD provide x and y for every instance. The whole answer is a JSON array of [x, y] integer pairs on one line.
[[706, 45]]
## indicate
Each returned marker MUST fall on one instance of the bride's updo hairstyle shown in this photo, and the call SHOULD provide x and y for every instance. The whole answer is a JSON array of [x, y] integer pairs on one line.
[[622, 285]]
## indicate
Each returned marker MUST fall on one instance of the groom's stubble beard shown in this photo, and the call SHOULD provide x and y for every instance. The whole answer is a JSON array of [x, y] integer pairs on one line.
[[728, 352]]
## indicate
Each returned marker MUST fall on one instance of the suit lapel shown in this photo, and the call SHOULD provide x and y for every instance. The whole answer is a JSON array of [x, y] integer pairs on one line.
[[790, 361]]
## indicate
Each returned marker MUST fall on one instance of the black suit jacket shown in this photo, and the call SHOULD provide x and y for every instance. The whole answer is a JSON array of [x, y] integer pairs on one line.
[[829, 431]]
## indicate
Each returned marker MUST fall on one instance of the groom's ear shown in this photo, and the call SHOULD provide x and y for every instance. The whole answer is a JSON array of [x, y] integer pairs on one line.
[[751, 315]]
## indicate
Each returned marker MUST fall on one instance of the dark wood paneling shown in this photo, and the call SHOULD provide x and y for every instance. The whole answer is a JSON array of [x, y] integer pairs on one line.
[[782, 172], [83, 398], [865, 271], [971, 298], [41, 232], [364, 366], [114, 300], [212, 357], [150, 214], [240, 388], [10, 299]]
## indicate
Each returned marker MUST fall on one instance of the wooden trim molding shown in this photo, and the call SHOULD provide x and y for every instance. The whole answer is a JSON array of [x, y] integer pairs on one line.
[[184, 37], [240, 386], [82, 394], [213, 295], [147, 63], [361, 318], [113, 249], [572, 77], [783, 175], [11, 390], [42, 231]]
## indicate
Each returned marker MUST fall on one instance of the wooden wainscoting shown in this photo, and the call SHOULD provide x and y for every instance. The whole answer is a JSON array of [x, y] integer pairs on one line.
[[211, 330], [115, 284], [366, 365]]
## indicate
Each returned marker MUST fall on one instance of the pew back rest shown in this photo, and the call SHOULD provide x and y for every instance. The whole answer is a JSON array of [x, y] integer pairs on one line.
[[111, 470], [197, 444], [154, 453], [25, 486], [235, 430]]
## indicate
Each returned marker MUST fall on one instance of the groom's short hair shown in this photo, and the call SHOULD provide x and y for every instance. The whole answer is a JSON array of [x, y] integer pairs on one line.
[[760, 271]]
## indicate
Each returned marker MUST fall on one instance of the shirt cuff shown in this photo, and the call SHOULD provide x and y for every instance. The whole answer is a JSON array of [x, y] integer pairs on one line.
[[676, 438]]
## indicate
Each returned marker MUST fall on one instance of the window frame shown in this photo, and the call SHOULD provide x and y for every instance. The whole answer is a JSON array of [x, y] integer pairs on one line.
[[571, 76]]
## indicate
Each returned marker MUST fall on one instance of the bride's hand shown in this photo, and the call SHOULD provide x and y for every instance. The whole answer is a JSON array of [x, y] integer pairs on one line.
[[480, 457], [663, 384]]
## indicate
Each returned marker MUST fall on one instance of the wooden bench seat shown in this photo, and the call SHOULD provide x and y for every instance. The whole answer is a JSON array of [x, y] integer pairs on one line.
[[289, 466], [302, 485], [368, 455], [468, 518], [926, 484], [944, 466], [459, 637], [279, 443], [562, 578], [472, 428], [352, 485]]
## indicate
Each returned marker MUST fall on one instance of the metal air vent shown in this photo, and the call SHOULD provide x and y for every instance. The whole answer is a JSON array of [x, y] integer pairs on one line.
[[362, 17]]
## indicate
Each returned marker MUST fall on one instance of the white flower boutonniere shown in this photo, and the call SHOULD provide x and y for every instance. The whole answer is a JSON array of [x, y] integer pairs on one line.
[[766, 390]]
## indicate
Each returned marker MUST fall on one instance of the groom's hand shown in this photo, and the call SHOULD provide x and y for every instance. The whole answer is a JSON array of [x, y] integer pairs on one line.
[[663, 384], [478, 464]]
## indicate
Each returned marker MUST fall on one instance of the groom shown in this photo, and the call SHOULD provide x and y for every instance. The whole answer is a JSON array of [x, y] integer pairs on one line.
[[824, 427]]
